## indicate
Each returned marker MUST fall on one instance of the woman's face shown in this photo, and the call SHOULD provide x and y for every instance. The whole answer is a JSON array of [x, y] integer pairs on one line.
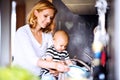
[[44, 18]]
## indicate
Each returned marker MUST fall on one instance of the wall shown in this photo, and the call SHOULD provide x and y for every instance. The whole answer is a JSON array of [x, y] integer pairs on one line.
[[29, 4], [80, 29], [5, 32], [20, 13], [117, 39], [111, 46]]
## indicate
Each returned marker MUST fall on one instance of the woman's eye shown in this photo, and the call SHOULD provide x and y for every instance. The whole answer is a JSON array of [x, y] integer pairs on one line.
[[45, 15]]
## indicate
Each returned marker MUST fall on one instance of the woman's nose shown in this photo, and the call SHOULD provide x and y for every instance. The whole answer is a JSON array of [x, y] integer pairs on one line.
[[48, 19]]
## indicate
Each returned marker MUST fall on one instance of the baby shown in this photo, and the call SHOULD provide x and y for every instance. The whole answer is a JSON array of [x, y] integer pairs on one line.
[[57, 52]]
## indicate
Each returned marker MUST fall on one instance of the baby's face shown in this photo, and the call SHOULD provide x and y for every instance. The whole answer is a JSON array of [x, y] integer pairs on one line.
[[60, 44]]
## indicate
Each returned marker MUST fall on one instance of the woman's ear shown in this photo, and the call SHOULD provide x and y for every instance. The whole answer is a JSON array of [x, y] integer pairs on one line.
[[35, 12]]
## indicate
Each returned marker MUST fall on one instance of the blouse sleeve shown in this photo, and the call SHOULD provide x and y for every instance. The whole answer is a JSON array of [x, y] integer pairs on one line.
[[23, 51]]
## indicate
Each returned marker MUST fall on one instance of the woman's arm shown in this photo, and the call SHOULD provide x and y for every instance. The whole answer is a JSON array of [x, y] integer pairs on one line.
[[24, 52], [52, 65]]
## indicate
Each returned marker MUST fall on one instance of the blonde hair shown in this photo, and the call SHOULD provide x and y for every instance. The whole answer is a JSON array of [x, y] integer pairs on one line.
[[40, 6]]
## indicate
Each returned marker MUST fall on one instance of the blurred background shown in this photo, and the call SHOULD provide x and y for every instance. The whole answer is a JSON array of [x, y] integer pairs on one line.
[[77, 17]]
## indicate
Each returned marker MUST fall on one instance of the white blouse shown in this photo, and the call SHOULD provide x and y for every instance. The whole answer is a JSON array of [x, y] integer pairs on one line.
[[27, 50]]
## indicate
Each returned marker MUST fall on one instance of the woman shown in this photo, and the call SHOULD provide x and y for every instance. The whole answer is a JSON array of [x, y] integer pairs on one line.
[[32, 40]]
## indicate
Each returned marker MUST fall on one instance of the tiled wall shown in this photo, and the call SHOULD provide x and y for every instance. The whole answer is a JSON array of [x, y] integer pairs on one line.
[[80, 29]]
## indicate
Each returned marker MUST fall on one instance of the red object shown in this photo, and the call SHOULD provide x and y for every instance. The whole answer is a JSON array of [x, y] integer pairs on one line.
[[103, 58]]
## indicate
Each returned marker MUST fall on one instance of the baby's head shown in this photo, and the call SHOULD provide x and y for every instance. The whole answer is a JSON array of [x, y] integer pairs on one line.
[[60, 40]]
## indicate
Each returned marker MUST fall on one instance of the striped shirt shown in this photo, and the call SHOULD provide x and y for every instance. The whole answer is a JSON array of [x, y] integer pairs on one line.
[[57, 55]]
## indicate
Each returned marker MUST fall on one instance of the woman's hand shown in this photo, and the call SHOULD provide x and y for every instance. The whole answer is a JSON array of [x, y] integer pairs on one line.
[[54, 72], [62, 67], [53, 65]]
